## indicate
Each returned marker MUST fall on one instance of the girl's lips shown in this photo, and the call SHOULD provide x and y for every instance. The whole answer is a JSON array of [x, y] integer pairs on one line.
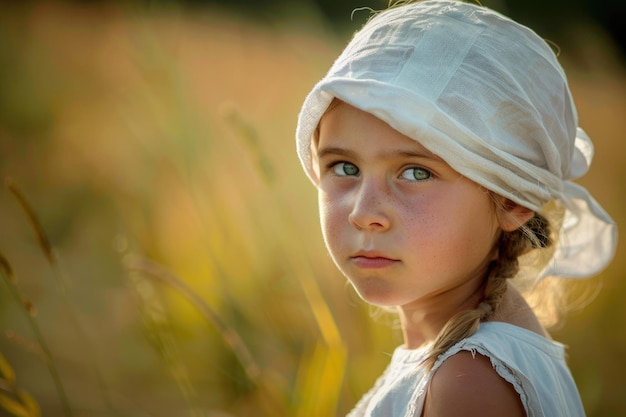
[[372, 261]]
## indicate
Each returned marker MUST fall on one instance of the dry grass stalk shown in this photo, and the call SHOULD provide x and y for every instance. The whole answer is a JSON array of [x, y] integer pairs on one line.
[[13, 399], [135, 263], [42, 238], [25, 344], [9, 277], [268, 397], [63, 281]]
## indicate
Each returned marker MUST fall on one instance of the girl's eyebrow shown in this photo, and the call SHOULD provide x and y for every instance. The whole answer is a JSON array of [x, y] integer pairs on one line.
[[322, 152], [415, 154], [331, 150]]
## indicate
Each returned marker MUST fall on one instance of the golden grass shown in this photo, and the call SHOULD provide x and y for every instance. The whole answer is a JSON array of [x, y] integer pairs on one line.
[[167, 136]]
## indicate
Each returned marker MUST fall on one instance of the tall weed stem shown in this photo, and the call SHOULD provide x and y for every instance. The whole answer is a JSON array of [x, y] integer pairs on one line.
[[9, 277]]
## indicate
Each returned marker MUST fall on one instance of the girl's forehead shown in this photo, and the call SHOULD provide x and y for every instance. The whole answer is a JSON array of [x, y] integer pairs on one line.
[[343, 120]]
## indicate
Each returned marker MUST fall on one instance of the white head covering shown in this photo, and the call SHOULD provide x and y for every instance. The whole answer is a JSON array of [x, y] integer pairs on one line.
[[485, 94]]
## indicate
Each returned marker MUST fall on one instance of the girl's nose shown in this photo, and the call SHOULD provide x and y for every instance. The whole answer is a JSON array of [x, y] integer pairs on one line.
[[369, 208]]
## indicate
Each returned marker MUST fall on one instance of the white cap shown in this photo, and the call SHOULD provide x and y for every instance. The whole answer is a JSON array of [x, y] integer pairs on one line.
[[485, 94]]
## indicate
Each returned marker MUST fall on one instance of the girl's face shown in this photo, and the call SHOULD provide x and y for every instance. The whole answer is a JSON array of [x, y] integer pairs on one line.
[[399, 222]]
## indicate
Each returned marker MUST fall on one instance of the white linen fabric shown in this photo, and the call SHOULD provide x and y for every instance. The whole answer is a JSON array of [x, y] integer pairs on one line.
[[485, 94], [534, 365]]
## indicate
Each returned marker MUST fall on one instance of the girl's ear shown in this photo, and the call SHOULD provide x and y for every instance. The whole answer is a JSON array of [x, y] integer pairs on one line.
[[512, 215]]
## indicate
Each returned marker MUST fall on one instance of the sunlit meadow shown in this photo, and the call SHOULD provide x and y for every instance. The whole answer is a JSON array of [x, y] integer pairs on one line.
[[160, 245]]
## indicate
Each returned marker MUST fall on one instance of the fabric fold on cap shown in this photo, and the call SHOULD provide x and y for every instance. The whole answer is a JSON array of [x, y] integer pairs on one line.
[[587, 239], [489, 97]]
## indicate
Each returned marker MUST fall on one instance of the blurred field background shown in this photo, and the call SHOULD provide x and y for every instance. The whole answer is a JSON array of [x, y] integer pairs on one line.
[[186, 274]]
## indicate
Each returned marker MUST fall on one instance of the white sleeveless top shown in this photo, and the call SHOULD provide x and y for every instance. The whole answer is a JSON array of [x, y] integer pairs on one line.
[[534, 365]]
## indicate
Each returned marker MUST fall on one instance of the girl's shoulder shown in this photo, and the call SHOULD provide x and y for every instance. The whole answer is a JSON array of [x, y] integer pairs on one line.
[[467, 384], [504, 359]]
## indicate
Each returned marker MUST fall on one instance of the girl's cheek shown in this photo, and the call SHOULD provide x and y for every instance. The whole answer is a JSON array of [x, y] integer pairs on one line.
[[330, 213]]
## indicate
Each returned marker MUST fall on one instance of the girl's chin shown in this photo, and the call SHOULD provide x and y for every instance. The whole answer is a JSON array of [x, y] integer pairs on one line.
[[377, 292]]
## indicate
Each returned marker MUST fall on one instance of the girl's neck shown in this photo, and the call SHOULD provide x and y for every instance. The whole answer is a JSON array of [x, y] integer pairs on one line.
[[422, 321], [514, 309], [421, 324]]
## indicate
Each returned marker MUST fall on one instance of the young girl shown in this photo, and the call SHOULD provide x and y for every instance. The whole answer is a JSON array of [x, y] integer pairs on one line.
[[438, 141]]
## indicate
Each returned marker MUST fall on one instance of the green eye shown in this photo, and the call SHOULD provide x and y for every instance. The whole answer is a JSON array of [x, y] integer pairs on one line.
[[345, 169], [416, 174]]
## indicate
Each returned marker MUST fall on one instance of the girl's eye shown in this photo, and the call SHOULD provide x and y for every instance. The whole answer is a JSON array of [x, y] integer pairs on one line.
[[416, 174], [344, 169]]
